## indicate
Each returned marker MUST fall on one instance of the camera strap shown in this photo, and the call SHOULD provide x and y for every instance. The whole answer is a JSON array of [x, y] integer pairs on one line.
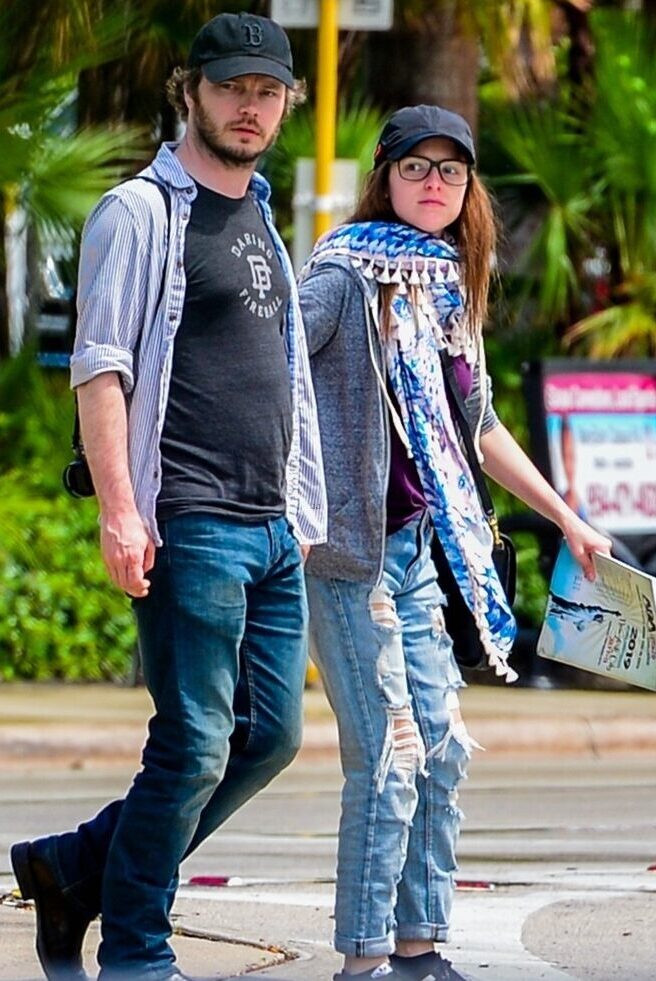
[[459, 412], [78, 446]]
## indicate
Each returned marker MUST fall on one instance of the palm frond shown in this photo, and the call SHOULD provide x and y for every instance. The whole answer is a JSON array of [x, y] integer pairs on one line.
[[358, 126], [627, 329], [68, 176], [622, 128], [547, 153], [517, 38]]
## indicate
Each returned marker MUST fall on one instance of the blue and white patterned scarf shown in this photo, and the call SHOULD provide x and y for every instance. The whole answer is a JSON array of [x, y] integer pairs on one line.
[[427, 315]]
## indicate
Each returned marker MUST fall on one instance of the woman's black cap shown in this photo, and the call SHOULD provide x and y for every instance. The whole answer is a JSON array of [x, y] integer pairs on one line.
[[409, 126]]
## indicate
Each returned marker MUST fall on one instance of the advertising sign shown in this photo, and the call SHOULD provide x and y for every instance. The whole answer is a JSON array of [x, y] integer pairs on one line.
[[599, 440]]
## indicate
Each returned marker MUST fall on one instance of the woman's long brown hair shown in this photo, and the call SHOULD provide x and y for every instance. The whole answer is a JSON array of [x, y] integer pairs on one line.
[[475, 232]]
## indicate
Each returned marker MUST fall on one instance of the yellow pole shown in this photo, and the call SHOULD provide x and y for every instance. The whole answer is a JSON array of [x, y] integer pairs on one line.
[[326, 113]]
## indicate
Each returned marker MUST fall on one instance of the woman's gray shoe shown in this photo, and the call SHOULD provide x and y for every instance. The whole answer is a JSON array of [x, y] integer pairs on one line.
[[426, 967], [384, 972]]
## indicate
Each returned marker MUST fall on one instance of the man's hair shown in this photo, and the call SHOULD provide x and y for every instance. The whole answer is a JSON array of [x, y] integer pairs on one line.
[[189, 79], [475, 232]]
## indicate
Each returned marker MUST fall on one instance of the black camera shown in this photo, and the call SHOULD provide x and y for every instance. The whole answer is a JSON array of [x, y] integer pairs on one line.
[[77, 479]]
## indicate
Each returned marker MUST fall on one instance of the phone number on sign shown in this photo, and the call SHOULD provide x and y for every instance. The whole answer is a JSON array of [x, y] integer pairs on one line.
[[621, 499]]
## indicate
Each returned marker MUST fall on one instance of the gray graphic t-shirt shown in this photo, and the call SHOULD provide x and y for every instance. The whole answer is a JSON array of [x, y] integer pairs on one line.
[[228, 424]]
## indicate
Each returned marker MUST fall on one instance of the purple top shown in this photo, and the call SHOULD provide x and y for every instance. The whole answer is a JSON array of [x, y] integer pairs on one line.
[[405, 496]]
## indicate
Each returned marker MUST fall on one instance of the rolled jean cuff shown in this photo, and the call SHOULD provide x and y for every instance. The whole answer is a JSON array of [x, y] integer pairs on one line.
[[422, 931], [371, 947]]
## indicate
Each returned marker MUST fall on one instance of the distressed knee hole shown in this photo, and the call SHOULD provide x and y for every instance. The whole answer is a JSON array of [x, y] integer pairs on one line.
[[456, 731], [382, 609], [438, 623], [403, 750], [452, 703], [452, 806], [406, 743]]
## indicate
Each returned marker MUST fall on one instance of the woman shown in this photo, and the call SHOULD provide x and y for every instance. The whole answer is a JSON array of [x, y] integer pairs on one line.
[[381, 297]]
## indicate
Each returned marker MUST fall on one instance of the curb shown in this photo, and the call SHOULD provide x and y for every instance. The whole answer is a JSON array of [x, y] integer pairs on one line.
[[80, 746], [75, 726]]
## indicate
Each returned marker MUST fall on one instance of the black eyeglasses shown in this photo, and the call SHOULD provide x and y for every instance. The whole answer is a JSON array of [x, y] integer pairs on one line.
[[417, 168]]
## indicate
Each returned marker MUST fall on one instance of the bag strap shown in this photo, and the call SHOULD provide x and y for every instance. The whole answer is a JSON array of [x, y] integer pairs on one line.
[[457, 403], [76, 441], [372, 329]]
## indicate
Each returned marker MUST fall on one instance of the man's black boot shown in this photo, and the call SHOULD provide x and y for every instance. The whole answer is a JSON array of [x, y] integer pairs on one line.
[[60, 924]]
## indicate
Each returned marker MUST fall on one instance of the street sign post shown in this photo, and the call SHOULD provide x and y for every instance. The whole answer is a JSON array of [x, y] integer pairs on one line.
[[326, 125], [344, 192], [329, 16], [353, 15]]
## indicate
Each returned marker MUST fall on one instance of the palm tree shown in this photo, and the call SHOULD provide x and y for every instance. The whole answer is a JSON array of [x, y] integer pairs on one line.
[[436, 48], [586, 165], [549, 197], [50, 173], [130, 87], [621, 128], [357, 127]]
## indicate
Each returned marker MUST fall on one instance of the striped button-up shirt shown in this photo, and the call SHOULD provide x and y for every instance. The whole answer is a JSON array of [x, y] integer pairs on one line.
[[131, 248]]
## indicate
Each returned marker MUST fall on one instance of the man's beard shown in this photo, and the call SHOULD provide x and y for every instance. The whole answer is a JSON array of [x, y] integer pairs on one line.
[[231, 156]]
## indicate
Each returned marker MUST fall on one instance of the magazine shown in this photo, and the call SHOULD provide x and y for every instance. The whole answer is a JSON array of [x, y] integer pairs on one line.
[[607, 626]]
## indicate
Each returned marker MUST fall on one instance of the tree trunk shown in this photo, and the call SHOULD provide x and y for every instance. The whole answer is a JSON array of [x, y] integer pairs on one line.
[[576, 24], [34, 286], [15, 256], [428, 59], [4, 311]]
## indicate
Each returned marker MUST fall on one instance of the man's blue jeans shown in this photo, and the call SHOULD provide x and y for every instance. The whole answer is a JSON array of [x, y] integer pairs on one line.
[[389, 671], [222, 637]]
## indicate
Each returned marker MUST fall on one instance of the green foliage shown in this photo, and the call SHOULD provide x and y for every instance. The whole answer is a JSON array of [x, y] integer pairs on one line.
[[586, 164], [531, 598], [54, 173], [630, 326], [358, 126], [622, 129], [59, 615], [504, 356], [548, 156], [67, 176]]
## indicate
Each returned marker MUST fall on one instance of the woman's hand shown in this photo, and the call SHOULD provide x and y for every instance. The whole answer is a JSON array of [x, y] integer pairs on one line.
[[583, 541]]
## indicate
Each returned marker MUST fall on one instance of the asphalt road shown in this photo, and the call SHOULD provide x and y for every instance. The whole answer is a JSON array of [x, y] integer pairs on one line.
[[565, 843]]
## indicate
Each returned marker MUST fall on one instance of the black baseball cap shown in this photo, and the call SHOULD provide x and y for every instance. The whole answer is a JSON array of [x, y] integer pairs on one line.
[[242, 44], [409, 126]]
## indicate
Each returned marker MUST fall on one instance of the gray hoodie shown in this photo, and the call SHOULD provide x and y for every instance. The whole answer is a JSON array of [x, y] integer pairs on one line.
[[354, 419]]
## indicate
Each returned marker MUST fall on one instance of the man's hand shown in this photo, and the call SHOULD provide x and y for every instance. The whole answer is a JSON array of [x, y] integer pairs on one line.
[[127, 550], [305, 551]]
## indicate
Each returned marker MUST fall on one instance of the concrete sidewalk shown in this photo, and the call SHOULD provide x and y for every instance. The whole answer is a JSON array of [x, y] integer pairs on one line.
[[202, 956], [60, 726], [86, 725]]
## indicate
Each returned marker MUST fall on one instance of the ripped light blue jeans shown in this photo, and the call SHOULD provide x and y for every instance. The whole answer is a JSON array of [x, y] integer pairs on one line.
[[388, 668]]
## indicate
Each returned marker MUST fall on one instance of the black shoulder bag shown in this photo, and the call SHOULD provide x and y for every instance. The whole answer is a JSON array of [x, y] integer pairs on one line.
[[76, 476], [460, 623]]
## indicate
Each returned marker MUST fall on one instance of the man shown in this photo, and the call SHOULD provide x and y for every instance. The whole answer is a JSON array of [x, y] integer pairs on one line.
[[202, 454]]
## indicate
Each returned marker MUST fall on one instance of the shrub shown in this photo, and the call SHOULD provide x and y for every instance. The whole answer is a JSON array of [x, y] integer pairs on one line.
[[60, 617]]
